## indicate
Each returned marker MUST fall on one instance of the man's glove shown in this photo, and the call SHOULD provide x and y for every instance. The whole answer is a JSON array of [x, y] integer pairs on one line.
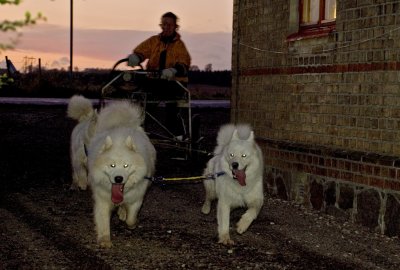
[[133, 60], [168, 74]]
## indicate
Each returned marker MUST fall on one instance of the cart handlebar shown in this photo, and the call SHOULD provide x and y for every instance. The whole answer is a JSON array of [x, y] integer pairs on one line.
[[131, 73], [119, 62], [138, 75]]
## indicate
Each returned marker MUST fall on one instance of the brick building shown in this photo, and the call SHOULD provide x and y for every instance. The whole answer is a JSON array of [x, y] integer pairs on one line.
[[323, 97]]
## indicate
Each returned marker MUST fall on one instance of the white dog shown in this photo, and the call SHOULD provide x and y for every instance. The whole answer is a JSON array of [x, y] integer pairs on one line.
[[121, 159], [237, 167], [80, 109]]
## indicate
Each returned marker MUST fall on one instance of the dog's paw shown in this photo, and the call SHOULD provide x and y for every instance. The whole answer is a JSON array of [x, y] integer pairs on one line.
[[82, 186], [77, 186], [206, 208], [121, 213], [105, 242], [242, 226], [226, 240], [131, 223], [131, 226]]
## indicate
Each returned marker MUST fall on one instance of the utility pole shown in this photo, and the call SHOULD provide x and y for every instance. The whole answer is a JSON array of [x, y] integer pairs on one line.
[[28, 64], [40, 68], [71, 41]]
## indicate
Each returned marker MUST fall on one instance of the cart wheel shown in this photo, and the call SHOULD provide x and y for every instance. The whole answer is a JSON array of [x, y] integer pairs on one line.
[[195, 127], [196, 136]]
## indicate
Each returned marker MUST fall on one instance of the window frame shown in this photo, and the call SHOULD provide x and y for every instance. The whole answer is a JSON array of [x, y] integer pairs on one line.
[[321, 28]]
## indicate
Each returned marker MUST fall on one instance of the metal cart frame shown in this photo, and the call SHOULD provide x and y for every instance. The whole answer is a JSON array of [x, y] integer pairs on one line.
[[132, 89]]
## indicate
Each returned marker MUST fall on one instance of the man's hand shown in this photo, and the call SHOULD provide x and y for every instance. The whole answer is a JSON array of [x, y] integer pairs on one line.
[[168, 74], [133, 60]]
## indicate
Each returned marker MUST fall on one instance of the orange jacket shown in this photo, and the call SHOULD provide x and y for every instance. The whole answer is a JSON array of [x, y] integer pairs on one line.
[[177, 54]]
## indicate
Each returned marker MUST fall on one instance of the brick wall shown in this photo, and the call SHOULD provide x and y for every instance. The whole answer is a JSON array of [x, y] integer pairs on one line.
[[326, 109]]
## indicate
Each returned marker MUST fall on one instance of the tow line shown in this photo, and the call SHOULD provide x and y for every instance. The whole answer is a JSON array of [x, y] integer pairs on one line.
[[163, 180]]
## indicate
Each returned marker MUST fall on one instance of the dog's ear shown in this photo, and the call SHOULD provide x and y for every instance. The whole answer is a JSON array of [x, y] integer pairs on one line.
[[107, 145], [251, 136], [235, 135], [130, 144]]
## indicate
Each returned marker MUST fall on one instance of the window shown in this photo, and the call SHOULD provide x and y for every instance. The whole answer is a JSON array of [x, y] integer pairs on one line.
[[311, 18], [314, 18], [317, 12]]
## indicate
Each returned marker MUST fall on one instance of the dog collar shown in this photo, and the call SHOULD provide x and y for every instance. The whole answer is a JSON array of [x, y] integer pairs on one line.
[[216, 175]]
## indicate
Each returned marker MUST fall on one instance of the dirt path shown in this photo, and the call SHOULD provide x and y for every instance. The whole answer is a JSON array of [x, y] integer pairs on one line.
[[45, 225]]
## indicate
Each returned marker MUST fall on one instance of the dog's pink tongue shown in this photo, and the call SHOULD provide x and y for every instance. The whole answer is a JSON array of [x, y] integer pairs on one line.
[[240, 176], [117, 193]]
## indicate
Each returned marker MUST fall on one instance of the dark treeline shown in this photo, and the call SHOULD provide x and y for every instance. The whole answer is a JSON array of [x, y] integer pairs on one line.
[[218, 78], [58, 83]]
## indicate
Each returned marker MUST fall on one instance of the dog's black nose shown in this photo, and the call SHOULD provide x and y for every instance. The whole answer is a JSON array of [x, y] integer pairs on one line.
[[235, 165], [118, 179]]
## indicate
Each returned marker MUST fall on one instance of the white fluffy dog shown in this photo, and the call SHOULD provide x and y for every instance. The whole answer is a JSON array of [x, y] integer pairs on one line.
[[121, 159], [238, 169], [80, 109]]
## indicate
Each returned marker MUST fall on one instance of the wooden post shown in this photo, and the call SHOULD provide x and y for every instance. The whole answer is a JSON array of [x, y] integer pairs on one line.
[[40, 73], [40, 68], [8, 66]]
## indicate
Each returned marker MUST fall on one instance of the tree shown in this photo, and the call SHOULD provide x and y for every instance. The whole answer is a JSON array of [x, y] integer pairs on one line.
[[13, 26], [194, 68], [208, 67]]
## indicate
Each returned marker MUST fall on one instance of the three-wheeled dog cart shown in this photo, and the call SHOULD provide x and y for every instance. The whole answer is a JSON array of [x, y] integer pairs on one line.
[[167, 111]]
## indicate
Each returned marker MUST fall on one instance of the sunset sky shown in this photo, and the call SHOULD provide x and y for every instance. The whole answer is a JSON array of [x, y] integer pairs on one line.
[[106, 31]]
